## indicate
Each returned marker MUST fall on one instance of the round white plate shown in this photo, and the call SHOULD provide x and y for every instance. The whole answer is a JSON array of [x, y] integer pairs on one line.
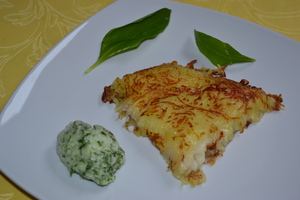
[[261, 163]]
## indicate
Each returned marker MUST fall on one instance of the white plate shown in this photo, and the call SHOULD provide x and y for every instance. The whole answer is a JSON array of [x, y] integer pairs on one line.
[[261, 163]]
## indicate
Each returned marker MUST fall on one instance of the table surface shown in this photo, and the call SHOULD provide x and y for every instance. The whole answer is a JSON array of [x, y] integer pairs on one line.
[[29, 29]]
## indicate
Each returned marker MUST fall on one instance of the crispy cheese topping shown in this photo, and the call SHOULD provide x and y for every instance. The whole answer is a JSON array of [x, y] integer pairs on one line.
[[189, 114]]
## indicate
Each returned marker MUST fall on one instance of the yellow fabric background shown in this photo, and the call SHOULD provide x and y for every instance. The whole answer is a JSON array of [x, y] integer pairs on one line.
[[30, 28]]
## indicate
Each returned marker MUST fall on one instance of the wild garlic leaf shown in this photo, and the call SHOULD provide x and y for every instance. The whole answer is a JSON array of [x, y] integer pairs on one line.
[[219, 53], [130, 36]]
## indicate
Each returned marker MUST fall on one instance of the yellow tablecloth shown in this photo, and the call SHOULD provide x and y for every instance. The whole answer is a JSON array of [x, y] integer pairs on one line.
[[30, 28]]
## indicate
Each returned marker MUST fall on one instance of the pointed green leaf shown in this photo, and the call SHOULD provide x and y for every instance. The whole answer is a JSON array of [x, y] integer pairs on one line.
[[130, 36], [219, 53]]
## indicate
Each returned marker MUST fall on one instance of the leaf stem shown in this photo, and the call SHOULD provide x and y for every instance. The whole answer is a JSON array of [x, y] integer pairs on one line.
[[93, 66]]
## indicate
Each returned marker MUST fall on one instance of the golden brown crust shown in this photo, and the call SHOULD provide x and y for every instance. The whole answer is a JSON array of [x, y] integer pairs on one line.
[[189, 114]]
